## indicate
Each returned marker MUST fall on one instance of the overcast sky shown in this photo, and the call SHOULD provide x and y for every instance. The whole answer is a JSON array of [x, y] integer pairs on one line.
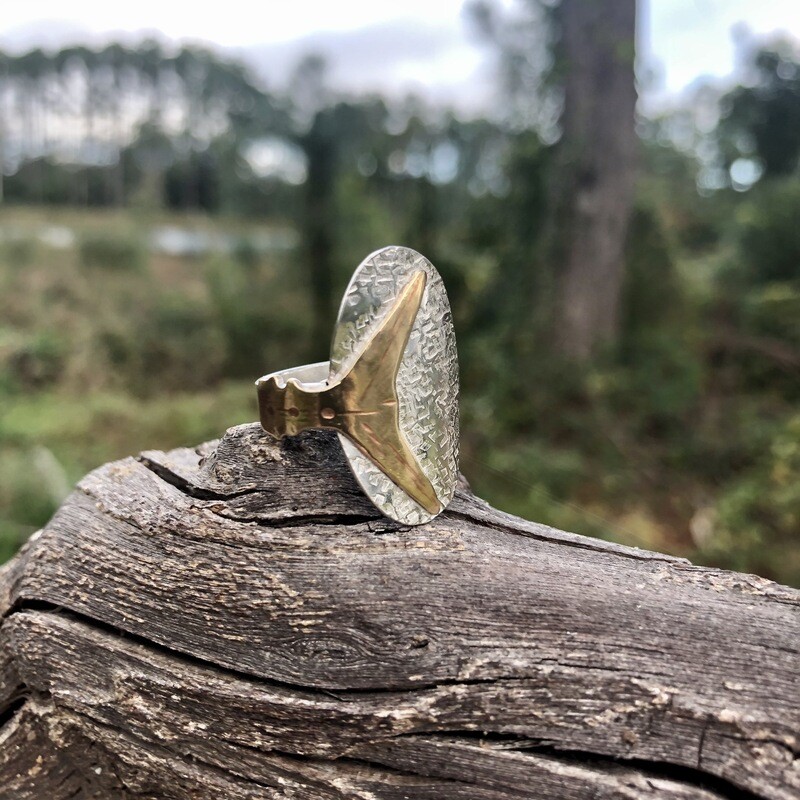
[[418, 45]]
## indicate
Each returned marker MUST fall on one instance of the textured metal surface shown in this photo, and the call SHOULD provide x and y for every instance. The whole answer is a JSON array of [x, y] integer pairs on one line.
[[427, 382], [362, 402]]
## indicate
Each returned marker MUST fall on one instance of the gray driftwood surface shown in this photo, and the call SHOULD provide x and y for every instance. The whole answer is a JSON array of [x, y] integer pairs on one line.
[[237, 621]]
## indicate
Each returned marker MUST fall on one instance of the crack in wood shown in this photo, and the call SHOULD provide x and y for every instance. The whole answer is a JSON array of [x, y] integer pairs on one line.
[[12, 708], [286, 521], [343, 694], [582, 544], [197, 492], [652, 769]]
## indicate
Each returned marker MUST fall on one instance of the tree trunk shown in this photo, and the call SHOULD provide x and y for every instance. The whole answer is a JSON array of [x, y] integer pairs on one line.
[[597, 167], [319, 220], [239, 622]]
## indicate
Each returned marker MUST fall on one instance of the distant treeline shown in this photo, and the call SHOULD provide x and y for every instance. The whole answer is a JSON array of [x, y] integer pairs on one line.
[[192, 129], [94, 126]]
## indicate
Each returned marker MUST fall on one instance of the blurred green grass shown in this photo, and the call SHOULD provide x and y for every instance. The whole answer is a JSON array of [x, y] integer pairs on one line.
[[686, 441], [107, 348], [49, 440]]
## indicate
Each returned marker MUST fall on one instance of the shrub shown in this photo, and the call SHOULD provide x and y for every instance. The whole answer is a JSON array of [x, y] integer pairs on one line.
[[173, 344], [111, 252], [246, 253], [774, 310], [652, 296], [30, 361], [18, 252], [769, 232], [758, 517], [262, 317], [28, 494]]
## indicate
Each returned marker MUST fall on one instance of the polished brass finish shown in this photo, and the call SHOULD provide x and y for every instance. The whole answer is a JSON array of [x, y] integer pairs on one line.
[[363, 403]]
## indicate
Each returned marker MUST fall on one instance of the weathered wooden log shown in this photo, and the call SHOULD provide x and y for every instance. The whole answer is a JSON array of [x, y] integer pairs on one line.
[[237, 621]]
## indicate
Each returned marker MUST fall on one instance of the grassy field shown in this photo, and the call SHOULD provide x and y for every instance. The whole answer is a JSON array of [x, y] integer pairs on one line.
[[50, 439], [110, 345], [116, 337]]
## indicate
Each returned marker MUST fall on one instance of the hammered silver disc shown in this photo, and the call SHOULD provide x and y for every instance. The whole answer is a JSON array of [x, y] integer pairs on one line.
[[427, 382]]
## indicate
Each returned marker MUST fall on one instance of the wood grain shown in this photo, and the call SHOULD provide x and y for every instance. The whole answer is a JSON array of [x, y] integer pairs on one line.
[[238, 621]]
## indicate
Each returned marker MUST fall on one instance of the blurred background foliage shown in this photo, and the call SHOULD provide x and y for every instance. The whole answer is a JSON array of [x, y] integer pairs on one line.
[[170, 229]]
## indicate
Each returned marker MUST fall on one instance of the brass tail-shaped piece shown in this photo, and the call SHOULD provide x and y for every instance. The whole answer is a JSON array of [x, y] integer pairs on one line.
[[363, 404]]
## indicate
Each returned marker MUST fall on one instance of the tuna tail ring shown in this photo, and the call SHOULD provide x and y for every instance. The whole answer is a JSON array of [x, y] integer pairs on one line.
[[390, 389]]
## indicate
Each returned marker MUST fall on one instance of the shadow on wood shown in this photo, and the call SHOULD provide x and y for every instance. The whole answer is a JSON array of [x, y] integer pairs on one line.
[[239, 622]]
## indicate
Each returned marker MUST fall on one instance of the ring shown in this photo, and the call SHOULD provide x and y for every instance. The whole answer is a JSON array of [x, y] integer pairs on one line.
[[390, 388]]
